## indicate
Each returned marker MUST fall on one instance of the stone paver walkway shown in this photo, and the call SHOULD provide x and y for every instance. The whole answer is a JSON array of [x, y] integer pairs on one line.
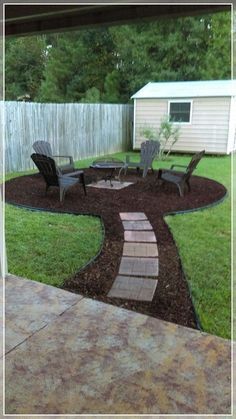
[[85, 357], [139, 265]]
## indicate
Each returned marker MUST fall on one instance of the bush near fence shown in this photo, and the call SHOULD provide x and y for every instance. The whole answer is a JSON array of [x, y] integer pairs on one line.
[[79, 130]]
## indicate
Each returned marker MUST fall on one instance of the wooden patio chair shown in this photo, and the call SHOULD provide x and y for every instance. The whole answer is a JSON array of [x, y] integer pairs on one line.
[[44, 148], [54, 177], [181, 178], [149, 149]]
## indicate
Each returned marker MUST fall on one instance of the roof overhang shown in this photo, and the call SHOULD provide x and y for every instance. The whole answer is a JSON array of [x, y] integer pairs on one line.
[[23, 19]]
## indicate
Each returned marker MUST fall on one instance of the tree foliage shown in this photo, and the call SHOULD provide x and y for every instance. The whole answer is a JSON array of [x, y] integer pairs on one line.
[[24, 66], [109, 64]]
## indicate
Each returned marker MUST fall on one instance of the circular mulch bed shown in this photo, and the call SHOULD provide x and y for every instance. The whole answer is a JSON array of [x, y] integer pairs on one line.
[[172, 301]]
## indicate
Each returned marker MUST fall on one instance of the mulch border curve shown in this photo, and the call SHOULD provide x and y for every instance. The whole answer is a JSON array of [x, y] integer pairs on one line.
[[94, 258]]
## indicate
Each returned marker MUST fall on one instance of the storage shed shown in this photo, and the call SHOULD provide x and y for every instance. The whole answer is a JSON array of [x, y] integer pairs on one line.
[[204, 110]]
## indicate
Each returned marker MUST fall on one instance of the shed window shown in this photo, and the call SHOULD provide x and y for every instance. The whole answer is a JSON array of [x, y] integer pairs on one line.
[[180, 111]]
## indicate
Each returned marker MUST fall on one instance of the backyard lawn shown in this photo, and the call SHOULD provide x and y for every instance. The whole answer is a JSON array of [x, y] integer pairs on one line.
[[51, 247], [204, 243]]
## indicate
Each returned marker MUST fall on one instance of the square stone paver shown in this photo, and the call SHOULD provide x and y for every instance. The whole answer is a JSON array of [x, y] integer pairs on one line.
[[140, 236], [137, 225], [132, 288], [132, 216], [140, 249], [139, 266]]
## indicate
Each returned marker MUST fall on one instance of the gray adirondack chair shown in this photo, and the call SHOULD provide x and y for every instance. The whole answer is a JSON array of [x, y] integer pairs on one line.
[[149, 149], [181, 178], [54, 177], [43, 147]]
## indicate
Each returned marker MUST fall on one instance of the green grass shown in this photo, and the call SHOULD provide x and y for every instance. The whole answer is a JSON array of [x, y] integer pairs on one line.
[[49, 247], [203, 239]]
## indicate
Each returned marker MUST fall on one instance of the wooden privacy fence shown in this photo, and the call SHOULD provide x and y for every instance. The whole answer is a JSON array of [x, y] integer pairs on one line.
[[79, 130]]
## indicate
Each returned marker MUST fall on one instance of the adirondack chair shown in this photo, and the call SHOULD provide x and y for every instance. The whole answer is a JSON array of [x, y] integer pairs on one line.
[[149, 149], [181, 178], [43, 147], [54, 177]]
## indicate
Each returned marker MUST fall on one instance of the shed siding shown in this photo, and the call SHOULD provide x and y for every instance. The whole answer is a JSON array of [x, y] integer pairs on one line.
[[208, 129]]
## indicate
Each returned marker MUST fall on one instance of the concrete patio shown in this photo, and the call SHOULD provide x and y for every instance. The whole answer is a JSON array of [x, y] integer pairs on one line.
[[66, 354]]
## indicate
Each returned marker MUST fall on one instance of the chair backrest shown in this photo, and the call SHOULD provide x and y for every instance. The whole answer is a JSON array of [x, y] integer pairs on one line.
[[42, 147], [193, 163], [47, 167], [149, 149]]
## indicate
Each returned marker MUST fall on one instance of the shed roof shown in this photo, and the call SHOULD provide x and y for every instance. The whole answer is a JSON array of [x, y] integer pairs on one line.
[[182, 89]]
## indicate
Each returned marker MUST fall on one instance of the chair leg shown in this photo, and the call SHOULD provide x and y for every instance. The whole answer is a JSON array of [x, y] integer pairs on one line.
[[47, 187], [188, 184], [181, 189], [62, 194], [159, 174], [145, 170], [83, 183]]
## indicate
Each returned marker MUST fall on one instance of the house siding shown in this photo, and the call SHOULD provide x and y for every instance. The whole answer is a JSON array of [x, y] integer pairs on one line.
[[209, 127]]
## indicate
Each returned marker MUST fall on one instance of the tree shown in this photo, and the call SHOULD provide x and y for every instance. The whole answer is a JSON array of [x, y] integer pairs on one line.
[[109, 64], [24, 66], [217, 58], [77, 62], [92, 96], [63, 76], [177, 49], [112, 87]]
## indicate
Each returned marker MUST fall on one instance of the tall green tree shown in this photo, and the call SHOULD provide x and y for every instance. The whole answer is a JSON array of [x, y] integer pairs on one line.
[[217, 58], [173, 50], [77, 62], [24, 66]]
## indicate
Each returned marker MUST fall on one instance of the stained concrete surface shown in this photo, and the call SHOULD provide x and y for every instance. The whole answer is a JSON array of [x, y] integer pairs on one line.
[[94, 358]]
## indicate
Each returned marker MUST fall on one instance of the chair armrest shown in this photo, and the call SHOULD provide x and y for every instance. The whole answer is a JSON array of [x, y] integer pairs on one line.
[[67, 157], [75, 173], [177, 165]]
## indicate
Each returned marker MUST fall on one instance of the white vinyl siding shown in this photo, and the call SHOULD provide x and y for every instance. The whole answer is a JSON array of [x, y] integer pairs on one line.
[[148, 112], [209, 126]]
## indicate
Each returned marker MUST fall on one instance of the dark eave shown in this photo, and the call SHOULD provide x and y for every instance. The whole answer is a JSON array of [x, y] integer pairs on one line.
[[34, 18]]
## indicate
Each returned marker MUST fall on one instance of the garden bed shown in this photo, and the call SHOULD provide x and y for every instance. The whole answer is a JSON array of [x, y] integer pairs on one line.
[[172, 301]]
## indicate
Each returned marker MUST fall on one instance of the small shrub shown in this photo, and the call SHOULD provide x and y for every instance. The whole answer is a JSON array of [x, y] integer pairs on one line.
[[167, 135]]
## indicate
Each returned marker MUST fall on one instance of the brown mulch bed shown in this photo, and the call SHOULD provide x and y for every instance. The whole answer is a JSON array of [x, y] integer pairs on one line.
[[172, 301]]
